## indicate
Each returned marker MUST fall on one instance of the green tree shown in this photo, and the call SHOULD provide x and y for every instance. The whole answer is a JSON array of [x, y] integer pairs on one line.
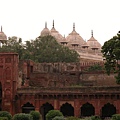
[[47, 49], [111, 53], [42, 49], [13, 44]]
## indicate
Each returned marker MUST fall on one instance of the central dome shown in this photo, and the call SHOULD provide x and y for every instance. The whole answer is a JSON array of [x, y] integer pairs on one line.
[[74, 38]]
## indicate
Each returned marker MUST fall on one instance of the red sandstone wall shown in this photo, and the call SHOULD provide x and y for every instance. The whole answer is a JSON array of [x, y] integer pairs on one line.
[[99, 79]]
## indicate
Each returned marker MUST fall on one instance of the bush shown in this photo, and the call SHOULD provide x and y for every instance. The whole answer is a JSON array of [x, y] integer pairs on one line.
[[22, 116], [116, 117], [72, 118], [5, 114], [95, 117], [58, 118], [3, 118], [36, 115], [53, 113]]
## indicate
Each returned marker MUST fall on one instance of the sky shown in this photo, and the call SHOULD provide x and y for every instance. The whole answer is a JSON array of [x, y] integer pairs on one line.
[[26, 18]]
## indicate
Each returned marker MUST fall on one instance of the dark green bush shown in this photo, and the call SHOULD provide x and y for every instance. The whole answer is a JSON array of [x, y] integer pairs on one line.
[[3, 118], [22, 116], [53, 113], [58, 118], [72, 118], [116, 117], [5, 114], [36, 115], [95, 117]]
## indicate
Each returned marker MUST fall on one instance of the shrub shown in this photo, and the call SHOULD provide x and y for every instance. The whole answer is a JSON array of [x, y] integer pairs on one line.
[[36, 115], [58, 118], [72, 118], [22, 116], [3, 118], [53, 113], [5, 114], [116, 117], [95, 117]]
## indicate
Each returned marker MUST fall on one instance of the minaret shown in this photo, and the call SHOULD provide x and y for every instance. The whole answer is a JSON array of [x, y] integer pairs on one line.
[[73, 26], [53, 23], [1, 28], [45, 24], [91, 33]]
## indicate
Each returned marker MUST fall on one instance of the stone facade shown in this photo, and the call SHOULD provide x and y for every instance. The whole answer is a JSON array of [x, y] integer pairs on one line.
[[27, 86]]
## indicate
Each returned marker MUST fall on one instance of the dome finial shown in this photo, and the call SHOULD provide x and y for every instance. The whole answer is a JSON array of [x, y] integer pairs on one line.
[[53, 23], [92, 33], [73, 26], [1, 28], [45, 24]]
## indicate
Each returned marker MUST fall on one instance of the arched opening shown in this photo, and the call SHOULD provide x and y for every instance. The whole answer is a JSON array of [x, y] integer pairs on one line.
[[0, 96], [26, 108], [67, 109], [87, 110], [108, 110], [45, 108]]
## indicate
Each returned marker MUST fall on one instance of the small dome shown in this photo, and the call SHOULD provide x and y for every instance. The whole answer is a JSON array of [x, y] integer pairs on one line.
[[85, 45], [45, 31], [3, 37], [56, 34], [93, 43], [63, 41], [74, 38]]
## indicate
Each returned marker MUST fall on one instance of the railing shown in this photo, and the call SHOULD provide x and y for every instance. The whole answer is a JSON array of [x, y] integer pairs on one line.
[[81, 89]]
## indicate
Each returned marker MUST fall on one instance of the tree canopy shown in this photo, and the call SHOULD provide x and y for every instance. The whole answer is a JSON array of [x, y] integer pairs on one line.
[[111, 53], [42, 49]]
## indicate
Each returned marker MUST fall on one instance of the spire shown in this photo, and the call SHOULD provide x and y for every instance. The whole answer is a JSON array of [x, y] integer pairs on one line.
[[53, 23], [1, 28], [45, 24], [92, 33], [73, 26]]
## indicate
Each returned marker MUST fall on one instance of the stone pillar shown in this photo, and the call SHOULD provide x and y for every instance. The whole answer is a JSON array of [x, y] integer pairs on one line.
[[76, 108], [56, 104], [97, 107]]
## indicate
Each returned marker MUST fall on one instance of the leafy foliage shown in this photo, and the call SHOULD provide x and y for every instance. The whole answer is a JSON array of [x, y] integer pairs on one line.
[[53, 113], [42, 49], [116, 117], [111, 53], [36, 115], [95, 117], [72, 118], [58, 118], [13, 44], [95, 67], [22, 116], [3, 118], [6, 114]]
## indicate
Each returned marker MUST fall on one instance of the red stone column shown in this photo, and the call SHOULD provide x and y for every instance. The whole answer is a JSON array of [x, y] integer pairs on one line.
[[76, 108], [37, 106], [56, 104], [97, 107]]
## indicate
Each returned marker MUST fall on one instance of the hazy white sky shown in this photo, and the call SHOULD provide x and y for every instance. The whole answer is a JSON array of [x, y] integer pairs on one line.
[[26, 18]]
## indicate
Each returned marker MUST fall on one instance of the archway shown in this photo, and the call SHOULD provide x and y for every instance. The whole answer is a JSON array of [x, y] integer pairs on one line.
[[108, 110], [45, 108], [87, 110], [67, 109], [26, 108]]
